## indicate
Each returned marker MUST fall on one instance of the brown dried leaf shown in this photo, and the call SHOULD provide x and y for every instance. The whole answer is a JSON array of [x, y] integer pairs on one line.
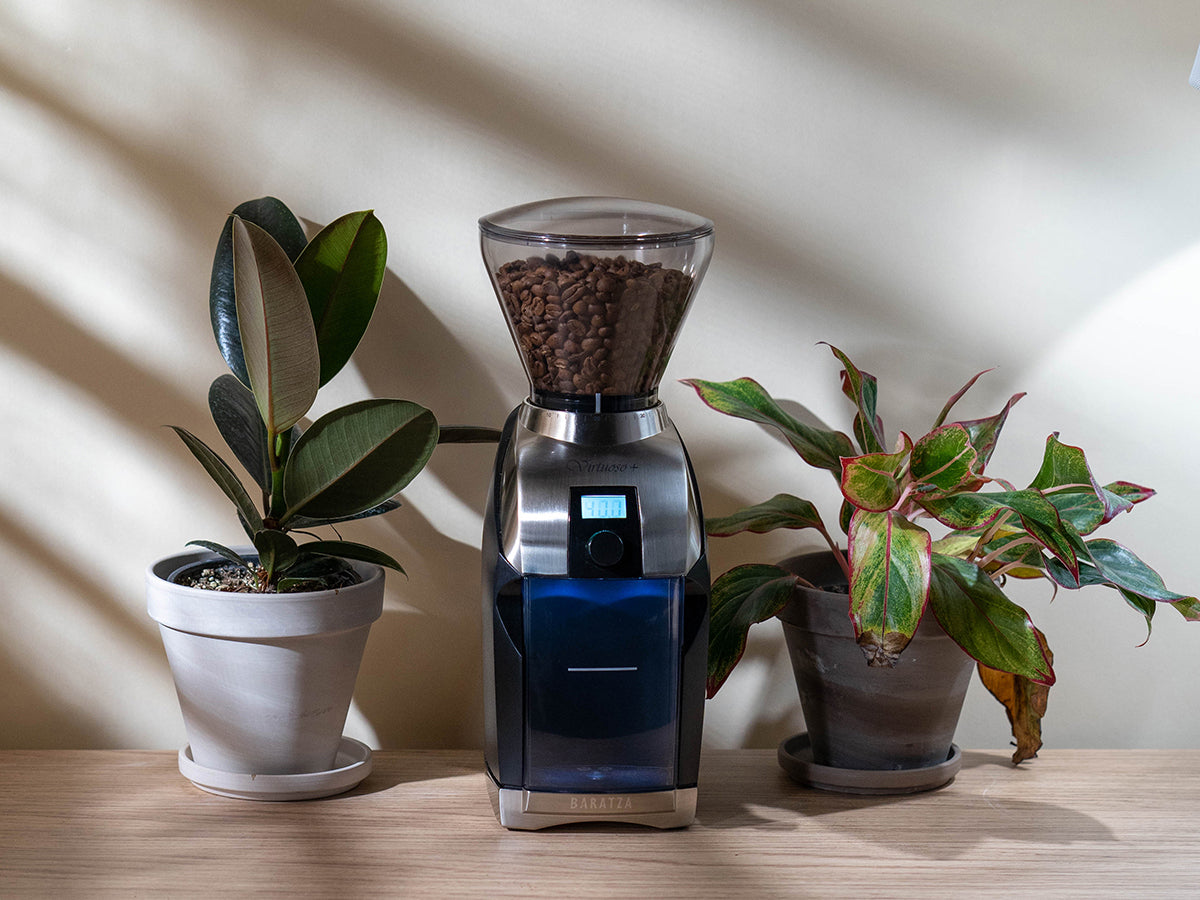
[[1025, 703]]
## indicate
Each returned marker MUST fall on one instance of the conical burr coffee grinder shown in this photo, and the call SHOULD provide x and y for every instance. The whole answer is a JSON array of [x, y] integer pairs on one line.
[[596, 583]]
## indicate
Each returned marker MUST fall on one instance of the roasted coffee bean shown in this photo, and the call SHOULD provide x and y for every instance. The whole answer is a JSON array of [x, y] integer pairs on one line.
[[590, 324]]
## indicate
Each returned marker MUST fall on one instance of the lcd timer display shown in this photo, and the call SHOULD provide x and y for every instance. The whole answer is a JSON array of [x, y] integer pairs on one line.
[[602, 506]]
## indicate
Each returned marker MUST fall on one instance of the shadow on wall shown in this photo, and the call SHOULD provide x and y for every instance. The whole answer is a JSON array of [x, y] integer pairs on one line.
[[420, 684]]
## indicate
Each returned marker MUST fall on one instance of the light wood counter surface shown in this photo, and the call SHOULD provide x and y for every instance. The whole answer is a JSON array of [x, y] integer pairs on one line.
[[1072, 823]]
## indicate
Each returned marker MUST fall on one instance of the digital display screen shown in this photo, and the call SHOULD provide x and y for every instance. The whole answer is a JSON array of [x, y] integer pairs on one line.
[[602, 506]]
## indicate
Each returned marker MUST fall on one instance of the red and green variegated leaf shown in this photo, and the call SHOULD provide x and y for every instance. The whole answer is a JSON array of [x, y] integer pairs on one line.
[[1118, 566], [958, 396], [985, 623], [1037, 515], [956, 543], [745, 398], [873, 481], [985, 432], [1189, 608], [862, 389], [944, 459], [1025, 702], [889, 582], [742, 597], [781, 511], [1065, 470]]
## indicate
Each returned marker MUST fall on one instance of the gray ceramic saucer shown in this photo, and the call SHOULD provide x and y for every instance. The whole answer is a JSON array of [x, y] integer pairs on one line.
[[795, 758]]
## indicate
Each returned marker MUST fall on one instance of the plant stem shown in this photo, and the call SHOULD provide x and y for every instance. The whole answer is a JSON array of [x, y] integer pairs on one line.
[[277, 451], [837, 553]]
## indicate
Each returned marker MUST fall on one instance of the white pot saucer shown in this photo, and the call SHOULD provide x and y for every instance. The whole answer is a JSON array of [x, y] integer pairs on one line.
[[351, 766], [796, 758]]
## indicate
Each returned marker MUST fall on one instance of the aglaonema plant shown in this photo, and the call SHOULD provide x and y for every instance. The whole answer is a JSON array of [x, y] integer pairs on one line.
[[287, 314], [895, 498]]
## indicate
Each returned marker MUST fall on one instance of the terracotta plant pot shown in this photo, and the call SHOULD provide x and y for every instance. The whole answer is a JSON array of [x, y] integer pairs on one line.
[[264, 680], [865, 718]]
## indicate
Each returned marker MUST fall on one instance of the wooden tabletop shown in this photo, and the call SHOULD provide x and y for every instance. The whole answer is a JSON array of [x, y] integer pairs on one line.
[[1072, 823]]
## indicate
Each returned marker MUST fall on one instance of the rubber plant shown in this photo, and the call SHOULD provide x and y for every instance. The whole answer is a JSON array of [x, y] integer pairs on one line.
[[287, 314], [988, 530]]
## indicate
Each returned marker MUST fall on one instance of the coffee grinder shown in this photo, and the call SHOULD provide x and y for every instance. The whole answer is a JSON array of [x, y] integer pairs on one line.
[[595, 582]]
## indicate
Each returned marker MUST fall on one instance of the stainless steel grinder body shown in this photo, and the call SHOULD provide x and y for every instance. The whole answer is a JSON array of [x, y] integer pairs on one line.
[[595, 578]]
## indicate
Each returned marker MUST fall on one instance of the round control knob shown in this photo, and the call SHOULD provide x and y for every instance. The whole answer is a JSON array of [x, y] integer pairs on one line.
[[605, 548]]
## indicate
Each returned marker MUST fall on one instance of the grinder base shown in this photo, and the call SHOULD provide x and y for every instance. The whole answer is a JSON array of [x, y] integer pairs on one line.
[[531, 810]]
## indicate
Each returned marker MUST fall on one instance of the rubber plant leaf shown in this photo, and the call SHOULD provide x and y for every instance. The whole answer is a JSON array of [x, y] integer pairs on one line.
[[781, 511], [276, 551], [977, 615], [890, 561], [1025, 703], [743, 596], [745, 398], [356, 457], [236, 416], [944, 460], [304, 522], [225, 553], [278, 338], [277, 220], [342, 271], [351, 550], [862, 390], [224, 476], [873, 482]]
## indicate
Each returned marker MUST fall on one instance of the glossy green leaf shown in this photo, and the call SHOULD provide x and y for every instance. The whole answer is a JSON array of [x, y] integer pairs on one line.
[[236, 416], [873, 481], [225, 553], [302, 523], [277, 220], [781, 511], [889, 582], [862, 390], [944, 459], [742, 597], [356, 457], [278, 339], [351, 550], [276, 551], [342, 271], [224, 476], [985, 623], [745, 398]]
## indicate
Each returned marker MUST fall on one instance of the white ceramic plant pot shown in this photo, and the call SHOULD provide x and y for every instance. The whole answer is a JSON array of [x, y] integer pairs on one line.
[[264, 680]]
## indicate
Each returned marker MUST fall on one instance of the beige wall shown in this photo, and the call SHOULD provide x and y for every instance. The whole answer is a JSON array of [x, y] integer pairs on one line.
[[936, 186]]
